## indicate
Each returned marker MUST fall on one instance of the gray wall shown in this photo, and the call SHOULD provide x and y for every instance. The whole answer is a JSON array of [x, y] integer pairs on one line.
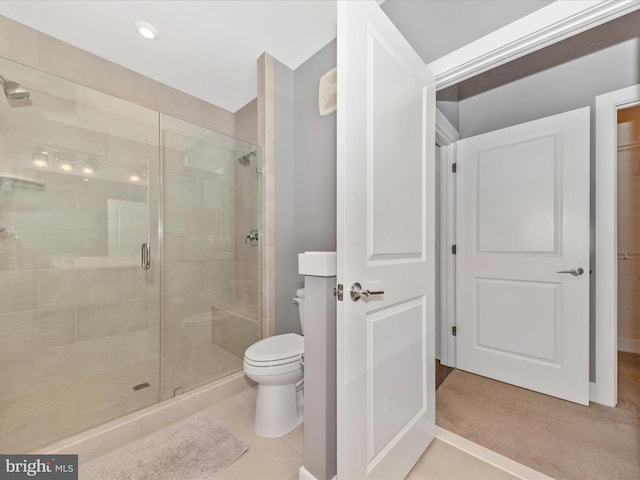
[[286, 280], [305, 177], [315, 149], [564, 87]]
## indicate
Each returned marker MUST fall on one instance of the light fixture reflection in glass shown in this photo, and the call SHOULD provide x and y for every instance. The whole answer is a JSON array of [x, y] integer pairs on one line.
[[66, 161], [41, 159], [134, 178], [90, 166]]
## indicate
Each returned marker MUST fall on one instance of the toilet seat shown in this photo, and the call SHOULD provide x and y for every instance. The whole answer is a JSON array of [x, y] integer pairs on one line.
[[274, 351], [283, 370]]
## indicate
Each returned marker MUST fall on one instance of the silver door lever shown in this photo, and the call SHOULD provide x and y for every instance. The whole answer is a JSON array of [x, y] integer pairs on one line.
[[357, 292], [576, 272]]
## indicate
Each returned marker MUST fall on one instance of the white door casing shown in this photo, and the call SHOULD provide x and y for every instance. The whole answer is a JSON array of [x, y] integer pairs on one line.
[[385, 241], [606, 268], [523, 200], [446, 139]]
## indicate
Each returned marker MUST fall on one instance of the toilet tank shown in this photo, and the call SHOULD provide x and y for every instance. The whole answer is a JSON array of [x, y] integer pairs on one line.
[[299, 300]]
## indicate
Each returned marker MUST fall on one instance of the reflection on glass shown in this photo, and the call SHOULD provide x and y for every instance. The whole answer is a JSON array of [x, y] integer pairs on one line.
[[79, 318]]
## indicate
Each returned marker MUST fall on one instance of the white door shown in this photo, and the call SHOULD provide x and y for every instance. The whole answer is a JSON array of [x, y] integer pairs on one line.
[[523, 199], [385, 241]]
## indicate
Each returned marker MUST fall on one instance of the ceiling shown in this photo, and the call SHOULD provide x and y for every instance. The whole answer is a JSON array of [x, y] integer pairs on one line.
[[438, 27], [208, 48]]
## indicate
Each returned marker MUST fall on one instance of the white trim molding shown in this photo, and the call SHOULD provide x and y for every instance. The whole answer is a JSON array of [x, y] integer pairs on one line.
[[446, 133], [489, 456], [446, 138], [557, 21], [303, 474], [606, 268]]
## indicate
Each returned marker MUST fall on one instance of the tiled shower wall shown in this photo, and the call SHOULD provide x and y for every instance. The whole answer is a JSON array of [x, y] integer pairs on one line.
[[199, 261], [236, 322]]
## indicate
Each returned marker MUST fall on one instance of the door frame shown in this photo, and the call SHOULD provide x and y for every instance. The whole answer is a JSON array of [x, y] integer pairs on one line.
[[446, 138], [606, 271]]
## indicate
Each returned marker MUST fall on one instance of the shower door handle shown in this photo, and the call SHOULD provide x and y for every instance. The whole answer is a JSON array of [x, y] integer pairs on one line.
[[146, 256]]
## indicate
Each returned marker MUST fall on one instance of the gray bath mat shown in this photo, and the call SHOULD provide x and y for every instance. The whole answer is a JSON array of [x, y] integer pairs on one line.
[[193, 449]]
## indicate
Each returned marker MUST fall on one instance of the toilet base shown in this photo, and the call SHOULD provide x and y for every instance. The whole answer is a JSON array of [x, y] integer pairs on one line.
[[276, 410]]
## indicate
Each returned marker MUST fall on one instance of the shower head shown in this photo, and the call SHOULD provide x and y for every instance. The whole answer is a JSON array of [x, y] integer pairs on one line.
[[246, 158], [13, 90]]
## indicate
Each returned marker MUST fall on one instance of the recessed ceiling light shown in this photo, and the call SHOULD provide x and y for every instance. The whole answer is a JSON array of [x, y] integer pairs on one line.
[[146, 30]]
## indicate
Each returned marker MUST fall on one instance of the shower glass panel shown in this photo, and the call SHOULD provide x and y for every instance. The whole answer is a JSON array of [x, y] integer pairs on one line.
[[79, 317], [210, 275], [86, 333]]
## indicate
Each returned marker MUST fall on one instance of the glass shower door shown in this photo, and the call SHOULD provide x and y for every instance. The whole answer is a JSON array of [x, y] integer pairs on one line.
[[210, 257], [78, 315]]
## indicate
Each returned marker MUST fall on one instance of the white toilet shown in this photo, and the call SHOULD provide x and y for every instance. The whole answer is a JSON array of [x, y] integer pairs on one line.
[[275, 364]]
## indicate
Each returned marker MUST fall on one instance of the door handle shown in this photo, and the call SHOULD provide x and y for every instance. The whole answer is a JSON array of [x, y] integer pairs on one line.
[[357, 292], [146, 256], [576, 272]]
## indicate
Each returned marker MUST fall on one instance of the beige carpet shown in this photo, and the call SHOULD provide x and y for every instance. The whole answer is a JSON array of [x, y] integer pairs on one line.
[[558, 438], [193, 449]]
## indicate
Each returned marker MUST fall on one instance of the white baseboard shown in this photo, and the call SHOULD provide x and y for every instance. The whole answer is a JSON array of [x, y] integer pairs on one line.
[[489, 456], [303, 474], [631, 345]]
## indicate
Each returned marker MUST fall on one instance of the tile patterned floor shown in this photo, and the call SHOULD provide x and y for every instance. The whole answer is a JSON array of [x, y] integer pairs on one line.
[[281, 458]]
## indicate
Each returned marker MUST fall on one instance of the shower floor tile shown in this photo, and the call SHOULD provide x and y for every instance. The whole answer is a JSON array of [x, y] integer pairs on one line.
[[199, 365], [28, 422]]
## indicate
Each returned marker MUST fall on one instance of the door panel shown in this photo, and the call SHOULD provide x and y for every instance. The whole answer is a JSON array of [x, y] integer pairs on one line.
[[394, 133], [532, 333], [393, 347], [386, 241], [523, 197], [517, 198]]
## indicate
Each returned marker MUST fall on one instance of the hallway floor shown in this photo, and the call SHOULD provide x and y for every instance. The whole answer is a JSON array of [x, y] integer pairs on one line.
[[561, 439]]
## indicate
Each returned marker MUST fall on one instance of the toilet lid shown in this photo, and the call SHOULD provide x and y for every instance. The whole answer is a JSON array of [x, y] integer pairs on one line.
[[278, 347]]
